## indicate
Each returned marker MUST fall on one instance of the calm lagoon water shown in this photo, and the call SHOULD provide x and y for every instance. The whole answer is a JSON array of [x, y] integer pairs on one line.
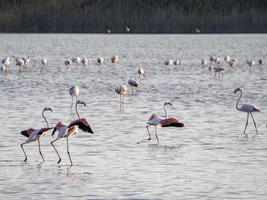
[[207, 159]]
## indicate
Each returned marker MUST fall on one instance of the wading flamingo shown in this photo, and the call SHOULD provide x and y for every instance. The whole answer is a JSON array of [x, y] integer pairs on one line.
[[44, 62], [35, 134], [167, 121], [133, 83], [65, 131], [141, 73], [248, 108], [260, 61], [115, 59], [100, 60], [122, 91], [74, 92]]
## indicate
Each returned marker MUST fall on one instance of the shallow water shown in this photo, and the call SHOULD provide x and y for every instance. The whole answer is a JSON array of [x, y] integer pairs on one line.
[[207, 159]]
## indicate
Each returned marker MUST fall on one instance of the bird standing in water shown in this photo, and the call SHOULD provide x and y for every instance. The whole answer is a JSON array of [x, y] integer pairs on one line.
[[65, 131], [165, 121], [35, 134], [249, 109]]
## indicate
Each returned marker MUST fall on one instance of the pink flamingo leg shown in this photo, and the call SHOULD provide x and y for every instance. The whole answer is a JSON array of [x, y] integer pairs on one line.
[[40, 150], [59, 158], [24, 151], [69, 152], [254, 123]]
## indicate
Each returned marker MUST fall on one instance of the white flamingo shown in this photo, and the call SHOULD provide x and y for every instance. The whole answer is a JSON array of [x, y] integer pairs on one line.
[[44, 62], [115, 59], [177, 62], [168, 62], [20, 63], [248, 108], [122, 91], [141, 73]]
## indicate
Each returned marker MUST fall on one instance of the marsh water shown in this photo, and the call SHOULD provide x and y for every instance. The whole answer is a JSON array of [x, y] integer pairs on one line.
[[209, 158]]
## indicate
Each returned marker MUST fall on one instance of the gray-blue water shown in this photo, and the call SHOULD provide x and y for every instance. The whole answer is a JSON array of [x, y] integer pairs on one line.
[[209, 158]]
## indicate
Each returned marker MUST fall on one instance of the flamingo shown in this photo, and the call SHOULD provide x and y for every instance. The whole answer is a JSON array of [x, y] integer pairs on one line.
[[100, 60], [35, 134], [20, 62], [227, 59], [65, 131], [141, 73], [3, 68], [67, 62], [248, 108], [108, 31], [177, 62], [166, 121], [133, 83], [260, 61], [121, 90], [26, 60], [203, 62], [85, 61], [74, 91], [44, 62], [217, 70], [76, 60], [250, 63], [168, 62], [115, 59]]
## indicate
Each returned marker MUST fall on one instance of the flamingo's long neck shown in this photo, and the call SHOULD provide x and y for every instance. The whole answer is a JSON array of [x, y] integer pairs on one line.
[[77, 111], [238, 100], [45, 119], [166, 114]]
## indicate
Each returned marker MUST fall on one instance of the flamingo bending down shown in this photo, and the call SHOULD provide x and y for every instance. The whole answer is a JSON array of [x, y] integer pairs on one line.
[[44, 62], [67, 62], [133, 83], [65, 131], [162, 122], [74, 92], [35, 134], [141, 73], [121, 90], [85, 61], [217, 70], [20, 62], [248, 108]]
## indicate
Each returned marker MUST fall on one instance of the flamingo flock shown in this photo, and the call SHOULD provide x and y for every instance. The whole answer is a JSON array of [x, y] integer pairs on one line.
[[63, 131], [216, 66]]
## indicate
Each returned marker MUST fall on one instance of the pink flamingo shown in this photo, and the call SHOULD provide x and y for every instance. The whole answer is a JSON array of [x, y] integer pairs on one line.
[[122, 91], [156, 121], [35, 134], [65, 131], [74, 92], [248, 108]]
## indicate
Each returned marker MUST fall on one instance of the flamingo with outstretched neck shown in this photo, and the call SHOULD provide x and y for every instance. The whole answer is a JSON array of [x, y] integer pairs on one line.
[[65, 131], [248, 108], [36, 134]]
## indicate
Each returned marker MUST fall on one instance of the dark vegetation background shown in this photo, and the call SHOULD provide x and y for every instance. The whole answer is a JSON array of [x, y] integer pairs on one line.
[[142, 16]]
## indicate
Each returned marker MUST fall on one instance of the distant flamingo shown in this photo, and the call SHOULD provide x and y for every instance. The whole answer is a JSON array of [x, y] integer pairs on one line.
[[44, 62], [121, 90], [156, 121], [141, 73], [217, 70], [67, 62], [260, 61], [85, 61], [65, 131], [100, 60], [203, 62], [20, 63], [74, 91], [133, 83], [115, 59], [35, 134], [248, 108], [168, 62], [177, 62]]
